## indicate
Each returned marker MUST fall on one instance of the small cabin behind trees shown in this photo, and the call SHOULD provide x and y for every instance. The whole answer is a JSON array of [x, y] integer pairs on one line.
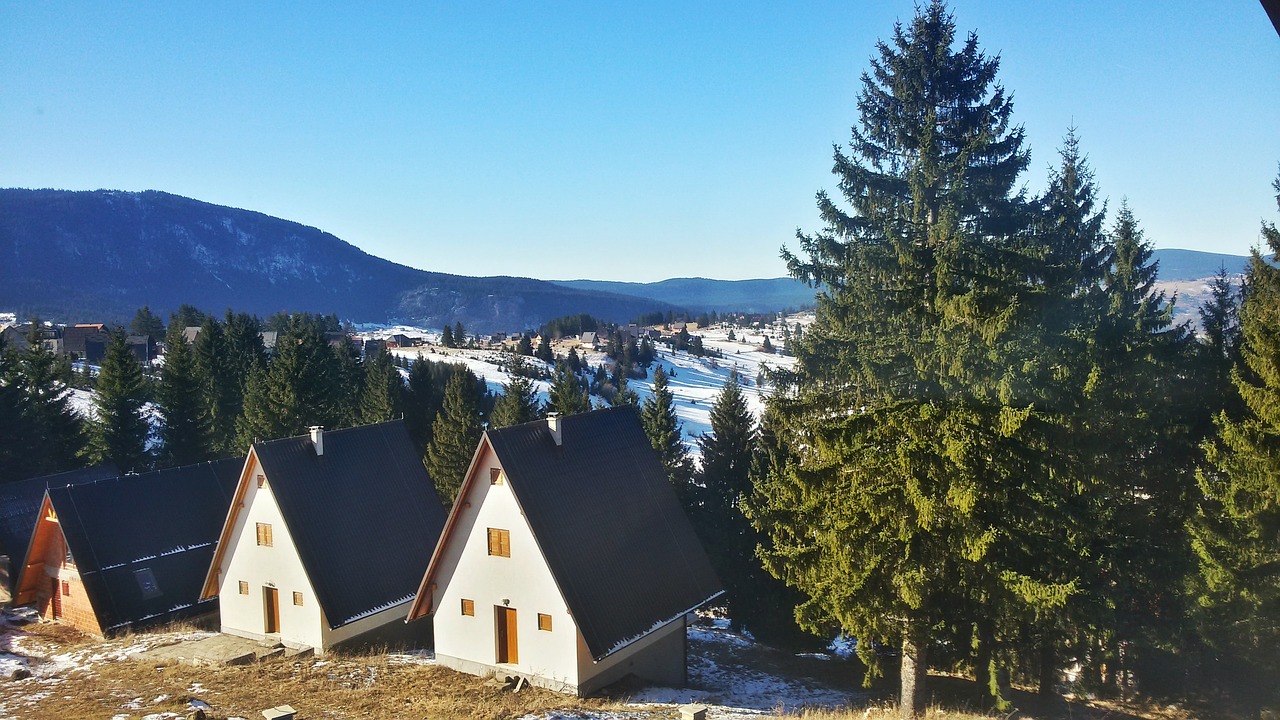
[[567, 559], [122, 553], [326, 539]]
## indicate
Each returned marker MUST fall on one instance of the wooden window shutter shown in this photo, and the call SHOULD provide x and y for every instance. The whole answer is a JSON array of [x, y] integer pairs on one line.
[[499, 542], [544, 622], [468, 607], [297, 599], [264, 534], [244, 587]]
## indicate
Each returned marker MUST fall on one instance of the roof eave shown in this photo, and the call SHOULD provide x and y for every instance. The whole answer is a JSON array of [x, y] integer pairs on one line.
[[416, 609], [597, 657], [211, 587]]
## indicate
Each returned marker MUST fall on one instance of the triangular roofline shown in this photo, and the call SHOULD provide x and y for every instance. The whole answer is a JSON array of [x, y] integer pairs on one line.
[[416, 609], [31, 541], [211, 584]]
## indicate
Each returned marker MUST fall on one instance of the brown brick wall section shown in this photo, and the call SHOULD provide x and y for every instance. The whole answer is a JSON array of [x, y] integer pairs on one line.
[[76, 609]]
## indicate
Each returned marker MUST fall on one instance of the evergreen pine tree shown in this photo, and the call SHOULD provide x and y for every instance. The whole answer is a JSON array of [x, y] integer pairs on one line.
[[16, 458], [52, 434], [349, 392], [658, 416], [543, 352], [446, 337], [905, 415], [722, 482], [183, 434], [118, 430], [1236, 530], [296, 389], [525, 346], [146, 323], [567, 396], [383, 390], [220, 387], [455, 433], [420, 402], [460, 335], [518, 404]]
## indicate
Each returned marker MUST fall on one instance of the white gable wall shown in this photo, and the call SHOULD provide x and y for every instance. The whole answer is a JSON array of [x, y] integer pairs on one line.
[[276, 566], [523, 581]]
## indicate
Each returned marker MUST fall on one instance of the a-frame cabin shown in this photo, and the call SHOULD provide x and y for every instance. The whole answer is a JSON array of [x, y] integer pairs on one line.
[[127, 552], [326, 539], [567, 559]]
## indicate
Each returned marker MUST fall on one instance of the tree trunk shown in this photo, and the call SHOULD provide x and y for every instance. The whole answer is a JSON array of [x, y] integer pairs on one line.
[[915, 668], [982, 668], [1048, 668]]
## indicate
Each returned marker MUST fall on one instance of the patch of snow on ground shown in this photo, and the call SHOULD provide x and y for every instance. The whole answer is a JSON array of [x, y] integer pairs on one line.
[[414, 657], [694, 386]]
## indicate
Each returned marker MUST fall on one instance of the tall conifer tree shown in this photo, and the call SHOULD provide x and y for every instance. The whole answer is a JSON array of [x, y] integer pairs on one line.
[[383, 390], [118, 430], [658, 416], [184, 435], [906, 412], [296, 389], [518, 404], [567, 396], [455, 434], [1237, 528]]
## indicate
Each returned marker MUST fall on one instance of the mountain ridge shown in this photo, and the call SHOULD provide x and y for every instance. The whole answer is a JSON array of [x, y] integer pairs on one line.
[[80, 255]]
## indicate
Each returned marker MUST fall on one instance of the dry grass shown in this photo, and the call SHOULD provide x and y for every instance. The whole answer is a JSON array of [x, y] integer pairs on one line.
[[368, 684]]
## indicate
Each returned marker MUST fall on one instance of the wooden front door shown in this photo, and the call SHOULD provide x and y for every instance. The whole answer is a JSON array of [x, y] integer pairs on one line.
[[505, 625], [271, 610]]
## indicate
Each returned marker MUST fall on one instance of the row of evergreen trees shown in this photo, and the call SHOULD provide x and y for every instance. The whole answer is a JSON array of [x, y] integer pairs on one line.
[[991, 453]]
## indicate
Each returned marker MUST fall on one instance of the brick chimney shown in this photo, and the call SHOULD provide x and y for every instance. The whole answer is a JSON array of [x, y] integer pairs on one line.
[[317, 438], [553, 424]]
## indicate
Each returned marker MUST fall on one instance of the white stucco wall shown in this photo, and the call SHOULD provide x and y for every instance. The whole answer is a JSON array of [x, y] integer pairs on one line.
[[522, 581], [276, 566]]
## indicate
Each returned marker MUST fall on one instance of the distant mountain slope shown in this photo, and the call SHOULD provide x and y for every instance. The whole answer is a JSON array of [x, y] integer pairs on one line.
[[103, 254], [704, 295], [768, 295], [1181, 265]]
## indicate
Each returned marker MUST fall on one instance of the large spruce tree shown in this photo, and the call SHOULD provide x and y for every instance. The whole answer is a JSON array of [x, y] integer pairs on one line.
[[48, 434], [184, 433], [905, 415], [383, 390], [296, 390], [118, 430], [518, 404], [567, 395], [221, 386], [723, 480], [658, 416], [455, 433], [1237, 528]]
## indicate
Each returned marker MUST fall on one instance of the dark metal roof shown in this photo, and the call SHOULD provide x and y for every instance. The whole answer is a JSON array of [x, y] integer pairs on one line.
[[364, 515], [20, 502], [165, 523], [606, 518]]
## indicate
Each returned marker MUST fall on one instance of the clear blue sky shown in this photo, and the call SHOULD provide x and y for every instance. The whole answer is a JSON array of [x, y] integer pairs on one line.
[[609, 140]]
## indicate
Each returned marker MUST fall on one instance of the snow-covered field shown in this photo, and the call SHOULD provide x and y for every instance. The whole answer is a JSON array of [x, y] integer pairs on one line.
[[694, 381]]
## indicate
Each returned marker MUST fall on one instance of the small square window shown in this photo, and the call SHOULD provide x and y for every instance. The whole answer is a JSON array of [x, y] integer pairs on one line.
[[264, 534], [499, 542], [66, 587], [469, 607], [262, 480], [495, 476], [297, 599], [244, 587], [544, 622], [147, 583]]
